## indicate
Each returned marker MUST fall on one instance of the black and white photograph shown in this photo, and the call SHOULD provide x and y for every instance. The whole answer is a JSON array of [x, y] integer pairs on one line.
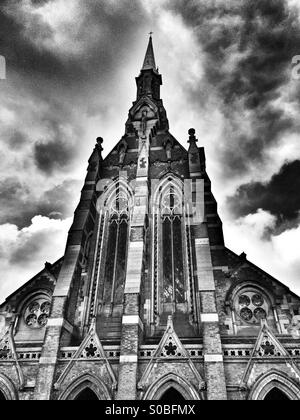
[[150, 202]]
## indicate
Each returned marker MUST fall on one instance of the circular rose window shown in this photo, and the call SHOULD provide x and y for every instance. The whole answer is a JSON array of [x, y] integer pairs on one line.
[[37, 313], [251, 307]]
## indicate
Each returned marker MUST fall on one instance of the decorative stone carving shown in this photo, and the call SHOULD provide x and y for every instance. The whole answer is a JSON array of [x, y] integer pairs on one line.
[[122, 149], [90, 348], [99, 146], [168, 146], [170, 347], [294, 327]]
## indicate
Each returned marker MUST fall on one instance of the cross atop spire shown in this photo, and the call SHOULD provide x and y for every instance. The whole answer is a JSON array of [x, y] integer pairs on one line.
[[149, 61]]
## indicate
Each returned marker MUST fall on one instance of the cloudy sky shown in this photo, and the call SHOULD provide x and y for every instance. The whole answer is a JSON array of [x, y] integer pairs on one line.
[[227, 71]]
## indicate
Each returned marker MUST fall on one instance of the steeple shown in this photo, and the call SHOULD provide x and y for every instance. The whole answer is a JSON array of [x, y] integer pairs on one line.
[[149, 80], [149, 61]]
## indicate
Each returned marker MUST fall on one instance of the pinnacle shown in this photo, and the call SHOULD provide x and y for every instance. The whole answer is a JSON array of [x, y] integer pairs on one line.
[[149, 61]]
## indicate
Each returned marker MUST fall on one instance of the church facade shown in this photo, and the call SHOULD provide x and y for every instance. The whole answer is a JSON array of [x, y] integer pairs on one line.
[[147, 302]]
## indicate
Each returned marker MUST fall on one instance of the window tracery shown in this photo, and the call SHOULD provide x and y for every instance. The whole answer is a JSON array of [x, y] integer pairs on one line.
[[171, 218], [37, 312], [119, 204], [251, 306], [173, 283]]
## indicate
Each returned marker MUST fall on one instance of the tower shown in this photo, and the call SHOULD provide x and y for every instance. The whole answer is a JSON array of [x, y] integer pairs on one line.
[[147, 302]]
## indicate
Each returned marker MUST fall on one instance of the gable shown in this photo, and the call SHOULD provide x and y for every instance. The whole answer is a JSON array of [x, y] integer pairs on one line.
[[247, 294], [43, 282]]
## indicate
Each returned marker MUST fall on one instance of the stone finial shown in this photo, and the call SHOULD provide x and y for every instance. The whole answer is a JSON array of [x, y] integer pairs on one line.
[[192, 137], [99, 141], [243, 256], [48, 266], [99, 147]]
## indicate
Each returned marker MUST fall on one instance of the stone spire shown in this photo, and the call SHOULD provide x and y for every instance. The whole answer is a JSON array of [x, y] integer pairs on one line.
[[149, 61]]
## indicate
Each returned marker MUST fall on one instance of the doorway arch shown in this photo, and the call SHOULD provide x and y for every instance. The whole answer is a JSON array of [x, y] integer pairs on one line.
[[7, 389], [88, 387], [170, 385], [275, 395], [274, 382], [87, 394], [172, 394]]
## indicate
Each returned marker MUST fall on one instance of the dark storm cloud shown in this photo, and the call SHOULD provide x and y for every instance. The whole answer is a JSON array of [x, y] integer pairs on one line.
[[60, 200], [20, 53], [18, 206], [280, 196], [22, 42], [59, 72], [53, 155], [248, 48], [25, 251]]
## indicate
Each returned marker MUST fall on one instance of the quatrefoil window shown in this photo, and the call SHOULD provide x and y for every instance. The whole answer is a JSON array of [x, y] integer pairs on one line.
[[37, 312], [251, 306]]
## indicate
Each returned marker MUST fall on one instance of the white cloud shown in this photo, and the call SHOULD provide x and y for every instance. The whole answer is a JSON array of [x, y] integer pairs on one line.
[[180, 59], [278, 256], [23, 252]]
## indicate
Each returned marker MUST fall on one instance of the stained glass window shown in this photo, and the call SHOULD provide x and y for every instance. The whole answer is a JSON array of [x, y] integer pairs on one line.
[[114, 275], [37, 313], [116, 259], [251, 306], [172, 258]]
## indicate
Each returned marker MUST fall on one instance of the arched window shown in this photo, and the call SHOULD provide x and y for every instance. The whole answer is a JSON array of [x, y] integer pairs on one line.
[[86, 395], [276, 394], [114, 276], [34, 314], [172, 267], [37, 312], [250, 305], [117, 205], [172, 250]]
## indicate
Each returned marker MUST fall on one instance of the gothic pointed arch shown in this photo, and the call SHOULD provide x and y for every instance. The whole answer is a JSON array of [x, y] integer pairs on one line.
[[145, 101], [90, 349], [109, 267], [86, 383], [168, 350], [168, 382], [267, 348], [7, 389], [249, 303], [172, 272], [274, 380]]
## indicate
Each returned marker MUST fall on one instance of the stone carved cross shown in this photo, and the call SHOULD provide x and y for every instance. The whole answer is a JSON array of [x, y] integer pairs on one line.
[[143, 163]]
